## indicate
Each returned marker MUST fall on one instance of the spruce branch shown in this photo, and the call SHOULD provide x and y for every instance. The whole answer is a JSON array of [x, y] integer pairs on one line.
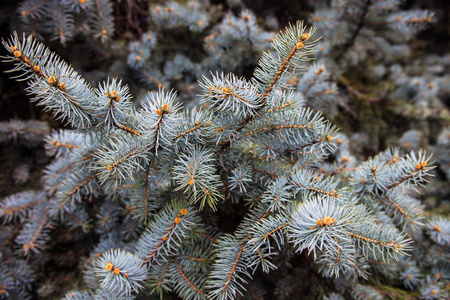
[[35, 233], [101, 20], [377, 240], [293, 47], [227, 93], [229, 271], [61, 22], [195, 176], [120, 271], [27, 133], [188, 287], [115, 106], [166, 233], [19, 206], [53, 82]]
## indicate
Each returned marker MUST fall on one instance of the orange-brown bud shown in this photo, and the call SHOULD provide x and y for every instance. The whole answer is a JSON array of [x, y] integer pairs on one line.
[[109, 266]]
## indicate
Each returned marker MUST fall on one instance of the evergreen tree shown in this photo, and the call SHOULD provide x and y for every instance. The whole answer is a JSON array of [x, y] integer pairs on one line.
[[153, 186]]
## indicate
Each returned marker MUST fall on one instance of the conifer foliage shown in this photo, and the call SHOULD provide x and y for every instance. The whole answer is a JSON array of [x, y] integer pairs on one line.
[[63, 20], [158, 176]]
